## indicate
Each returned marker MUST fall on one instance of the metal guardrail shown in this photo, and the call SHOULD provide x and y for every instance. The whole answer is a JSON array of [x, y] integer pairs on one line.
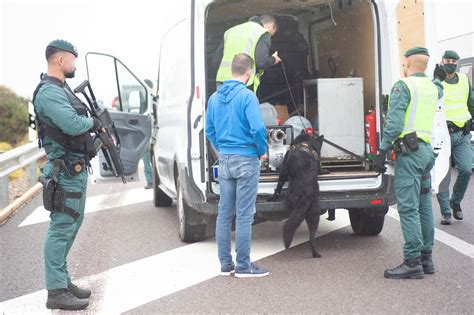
[[24, 156]]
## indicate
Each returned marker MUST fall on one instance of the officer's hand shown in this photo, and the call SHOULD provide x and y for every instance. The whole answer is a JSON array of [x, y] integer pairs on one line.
[[264, 157], [379, 162], [439, 72], [277, 59], [97, 125]]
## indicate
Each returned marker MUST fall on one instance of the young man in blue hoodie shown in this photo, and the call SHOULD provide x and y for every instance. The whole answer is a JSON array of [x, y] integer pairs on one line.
[[235, 127]]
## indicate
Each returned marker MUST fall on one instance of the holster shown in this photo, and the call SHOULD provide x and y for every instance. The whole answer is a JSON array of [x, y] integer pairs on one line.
[[54, 198], [407, 144]]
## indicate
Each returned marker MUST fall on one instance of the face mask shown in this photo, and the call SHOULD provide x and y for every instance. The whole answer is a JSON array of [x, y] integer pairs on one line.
[[450, 68]]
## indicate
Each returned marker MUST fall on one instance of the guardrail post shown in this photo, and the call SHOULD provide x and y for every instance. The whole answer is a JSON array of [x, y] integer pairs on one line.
[[32, 173], [3, 192]]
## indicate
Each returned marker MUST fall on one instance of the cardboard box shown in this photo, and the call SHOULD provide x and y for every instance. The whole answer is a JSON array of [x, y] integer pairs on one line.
[[282, 111]]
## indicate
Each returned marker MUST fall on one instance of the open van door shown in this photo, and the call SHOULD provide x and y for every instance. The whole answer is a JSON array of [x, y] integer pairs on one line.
[[129, 102]]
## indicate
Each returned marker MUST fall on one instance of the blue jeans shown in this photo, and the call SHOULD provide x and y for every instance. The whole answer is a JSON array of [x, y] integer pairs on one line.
[[238, 181]]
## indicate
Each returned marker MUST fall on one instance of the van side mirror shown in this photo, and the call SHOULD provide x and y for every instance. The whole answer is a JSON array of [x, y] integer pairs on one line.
[[149, 83]]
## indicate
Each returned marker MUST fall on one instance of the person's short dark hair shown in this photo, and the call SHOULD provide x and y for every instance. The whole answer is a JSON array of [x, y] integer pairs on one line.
[[267, 19], [241, 63], [50, 52]]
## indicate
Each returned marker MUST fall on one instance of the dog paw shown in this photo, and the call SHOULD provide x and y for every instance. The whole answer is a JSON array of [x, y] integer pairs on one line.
[[273, 198], [316, 255]]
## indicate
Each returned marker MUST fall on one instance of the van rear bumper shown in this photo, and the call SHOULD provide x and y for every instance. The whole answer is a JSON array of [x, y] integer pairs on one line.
[[381, 198]]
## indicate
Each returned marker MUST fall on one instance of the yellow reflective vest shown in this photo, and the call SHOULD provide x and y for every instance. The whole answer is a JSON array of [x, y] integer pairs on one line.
[[420, 112], [455, 99], [242, 38]]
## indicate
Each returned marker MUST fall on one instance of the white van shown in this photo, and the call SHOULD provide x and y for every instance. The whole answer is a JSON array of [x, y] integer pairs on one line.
[[341, 57]]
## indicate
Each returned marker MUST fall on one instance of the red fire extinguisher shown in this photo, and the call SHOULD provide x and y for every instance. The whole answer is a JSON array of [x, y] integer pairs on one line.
[[371, 134]]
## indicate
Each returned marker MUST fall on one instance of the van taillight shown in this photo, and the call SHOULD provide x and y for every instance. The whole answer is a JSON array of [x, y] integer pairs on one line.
[[376, 202]]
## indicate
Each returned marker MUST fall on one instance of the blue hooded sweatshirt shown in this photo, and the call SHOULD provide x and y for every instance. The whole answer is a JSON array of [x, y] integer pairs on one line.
[[234, 123]]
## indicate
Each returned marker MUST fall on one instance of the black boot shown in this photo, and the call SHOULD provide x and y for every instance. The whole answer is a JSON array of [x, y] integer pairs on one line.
[[427, 262], [65, 300], [457, 212], [79, 292], [410, 269], [446, 219]]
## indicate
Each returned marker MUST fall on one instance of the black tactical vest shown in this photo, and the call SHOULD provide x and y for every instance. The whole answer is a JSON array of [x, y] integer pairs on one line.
[[84, 143]]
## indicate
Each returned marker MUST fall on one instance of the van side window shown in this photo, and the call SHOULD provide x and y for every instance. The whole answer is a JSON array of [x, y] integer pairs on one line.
[[175, 70], [133, 95]]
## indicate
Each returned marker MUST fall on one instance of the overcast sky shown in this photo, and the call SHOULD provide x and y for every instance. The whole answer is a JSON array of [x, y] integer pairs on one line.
[[130, 30]]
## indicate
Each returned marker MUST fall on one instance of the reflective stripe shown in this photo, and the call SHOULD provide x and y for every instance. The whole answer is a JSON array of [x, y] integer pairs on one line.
[[457, 106]]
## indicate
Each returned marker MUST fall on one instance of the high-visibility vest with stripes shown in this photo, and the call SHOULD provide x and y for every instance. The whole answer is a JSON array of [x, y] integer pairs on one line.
[[420, 112], [455, 100], [242, 38]]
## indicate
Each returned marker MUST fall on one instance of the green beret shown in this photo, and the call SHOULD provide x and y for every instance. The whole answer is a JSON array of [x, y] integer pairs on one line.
[[64, 45], [451, 54], [417, 51]]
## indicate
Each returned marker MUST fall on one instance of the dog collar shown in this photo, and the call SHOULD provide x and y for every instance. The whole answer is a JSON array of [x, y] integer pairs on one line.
[[304, 146]]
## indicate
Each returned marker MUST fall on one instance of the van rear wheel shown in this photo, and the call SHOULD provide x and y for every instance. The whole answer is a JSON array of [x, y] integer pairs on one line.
[[367, 221], [160, 199], [188, 233]]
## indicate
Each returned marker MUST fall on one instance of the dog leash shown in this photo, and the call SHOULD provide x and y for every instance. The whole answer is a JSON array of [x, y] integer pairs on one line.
[[347, 151]]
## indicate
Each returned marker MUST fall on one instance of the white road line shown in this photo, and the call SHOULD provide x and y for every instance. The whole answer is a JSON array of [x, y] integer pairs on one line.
[[129, 286], [96, 203], [445, 238]]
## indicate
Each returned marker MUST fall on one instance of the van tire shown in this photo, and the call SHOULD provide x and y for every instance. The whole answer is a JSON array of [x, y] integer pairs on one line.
[[367, 221], [160, 199], [188, 233]]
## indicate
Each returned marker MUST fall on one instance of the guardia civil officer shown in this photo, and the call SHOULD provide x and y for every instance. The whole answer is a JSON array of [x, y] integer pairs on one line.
[[64, 131], [408, 128], [459, 106]]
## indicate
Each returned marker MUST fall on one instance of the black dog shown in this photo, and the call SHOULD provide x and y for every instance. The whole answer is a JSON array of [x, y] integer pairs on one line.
[[301, 167]]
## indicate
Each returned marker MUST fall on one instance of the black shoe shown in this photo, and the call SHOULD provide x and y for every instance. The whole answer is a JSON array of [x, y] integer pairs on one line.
[[457, 212], [427, 263], [410, 269], [149, 186], [446, 219], [78, 292], [65, 300]]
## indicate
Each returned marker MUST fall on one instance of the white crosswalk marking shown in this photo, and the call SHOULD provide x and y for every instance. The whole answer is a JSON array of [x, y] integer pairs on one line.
[[445, 238], [129, 286], [96, 203]]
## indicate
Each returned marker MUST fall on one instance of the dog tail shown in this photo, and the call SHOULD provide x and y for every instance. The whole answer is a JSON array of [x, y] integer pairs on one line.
[[289, 229]]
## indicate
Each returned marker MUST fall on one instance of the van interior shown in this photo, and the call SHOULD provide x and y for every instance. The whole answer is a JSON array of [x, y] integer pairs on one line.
[[327, 77]]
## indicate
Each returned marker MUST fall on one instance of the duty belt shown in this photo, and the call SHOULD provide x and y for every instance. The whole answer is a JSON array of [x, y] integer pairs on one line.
[[455, 129]]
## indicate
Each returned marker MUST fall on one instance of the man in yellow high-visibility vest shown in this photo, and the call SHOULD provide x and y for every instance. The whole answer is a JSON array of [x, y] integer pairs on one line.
[[459, 104], [252, 38]]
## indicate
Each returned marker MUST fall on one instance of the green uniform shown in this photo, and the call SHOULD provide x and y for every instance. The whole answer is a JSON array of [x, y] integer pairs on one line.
[[147, 167], [412, 106], [54, 108], [457, 89], [242, 38]]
